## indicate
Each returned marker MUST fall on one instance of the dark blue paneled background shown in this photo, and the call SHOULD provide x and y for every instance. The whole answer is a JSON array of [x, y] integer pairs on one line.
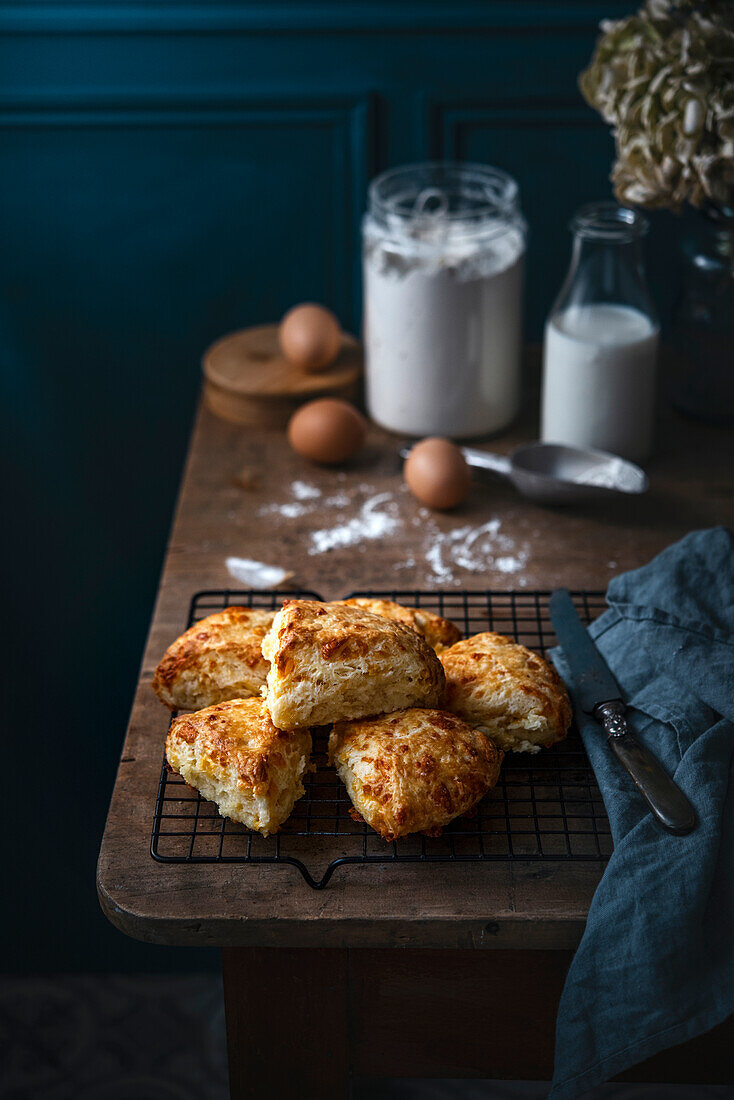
[[170, 172]]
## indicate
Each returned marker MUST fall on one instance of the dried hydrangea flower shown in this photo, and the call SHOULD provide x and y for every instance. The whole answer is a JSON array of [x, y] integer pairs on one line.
[[664, 79]]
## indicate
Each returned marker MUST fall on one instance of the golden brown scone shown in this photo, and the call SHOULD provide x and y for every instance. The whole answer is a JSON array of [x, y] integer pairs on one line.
[[507, 690], [219, 658], [438, 632], [330, 662], [233, 754], [413, 771]]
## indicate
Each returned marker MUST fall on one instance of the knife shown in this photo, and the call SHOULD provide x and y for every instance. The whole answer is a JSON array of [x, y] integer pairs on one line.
[[599, 695]]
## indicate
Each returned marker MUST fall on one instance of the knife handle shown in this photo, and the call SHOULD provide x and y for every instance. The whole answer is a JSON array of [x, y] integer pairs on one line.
[[669, 805]]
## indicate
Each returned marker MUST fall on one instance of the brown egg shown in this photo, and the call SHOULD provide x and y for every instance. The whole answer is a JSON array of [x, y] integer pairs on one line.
[[310, 337], [328, 430], [437, 474]]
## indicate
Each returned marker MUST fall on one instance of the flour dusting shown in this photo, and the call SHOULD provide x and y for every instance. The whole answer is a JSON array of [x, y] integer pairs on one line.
[[472, 549], [288, 510], [339, 500], [256, 574], [378, 517], [303, 491], [483, 549], [303, 503]]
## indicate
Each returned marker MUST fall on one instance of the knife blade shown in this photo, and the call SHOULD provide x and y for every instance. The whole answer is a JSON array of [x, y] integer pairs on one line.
[[599, 695]]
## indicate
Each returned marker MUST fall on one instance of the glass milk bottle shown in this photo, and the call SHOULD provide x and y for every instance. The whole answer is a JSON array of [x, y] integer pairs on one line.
[[601, 340], [443, 248]]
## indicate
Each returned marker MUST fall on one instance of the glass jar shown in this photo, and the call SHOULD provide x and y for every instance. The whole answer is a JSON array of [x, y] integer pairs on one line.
[[443, 248], [702, 366], [601, 340]]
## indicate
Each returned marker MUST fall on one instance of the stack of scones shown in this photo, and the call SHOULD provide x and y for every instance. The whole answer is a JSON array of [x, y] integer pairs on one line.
[[419, 719]]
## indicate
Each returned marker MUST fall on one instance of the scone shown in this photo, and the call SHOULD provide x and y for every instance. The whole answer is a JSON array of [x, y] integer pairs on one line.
[[233, 754], [507, 690], [329, 662], [219, 658], [438, 632], [413, 771]]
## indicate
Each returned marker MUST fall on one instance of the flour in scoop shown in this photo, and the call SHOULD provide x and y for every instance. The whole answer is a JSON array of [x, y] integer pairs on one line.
[[614, 474]]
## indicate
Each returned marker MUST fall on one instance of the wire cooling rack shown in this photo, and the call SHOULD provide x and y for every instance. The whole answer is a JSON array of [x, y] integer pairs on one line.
[[545, 806]]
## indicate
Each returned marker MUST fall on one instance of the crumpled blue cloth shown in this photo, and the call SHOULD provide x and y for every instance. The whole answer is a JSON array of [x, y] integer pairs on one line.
[[656, 963]]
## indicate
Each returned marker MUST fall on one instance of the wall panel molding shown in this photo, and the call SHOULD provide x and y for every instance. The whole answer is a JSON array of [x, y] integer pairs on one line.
[[350, 121], [449, 122], [181, 105], [329, 16]]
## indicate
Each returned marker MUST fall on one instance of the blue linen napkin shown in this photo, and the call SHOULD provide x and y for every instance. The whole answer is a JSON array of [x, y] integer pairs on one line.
[[656, 963]]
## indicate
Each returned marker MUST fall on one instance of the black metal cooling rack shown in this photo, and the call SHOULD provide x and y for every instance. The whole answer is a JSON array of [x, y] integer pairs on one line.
[[546, 806]]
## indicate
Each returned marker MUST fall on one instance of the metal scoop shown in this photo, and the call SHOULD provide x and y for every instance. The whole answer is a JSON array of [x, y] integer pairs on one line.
[[552, 473]]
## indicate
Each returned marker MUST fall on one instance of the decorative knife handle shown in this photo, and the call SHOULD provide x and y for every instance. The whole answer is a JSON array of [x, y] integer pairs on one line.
[[611, 716], [664, 797]]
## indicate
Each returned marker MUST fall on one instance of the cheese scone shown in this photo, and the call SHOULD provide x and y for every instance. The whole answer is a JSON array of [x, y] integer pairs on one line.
[[329, 662], [438, 632], [507, 690], [219, 658], [413, 771], [233, 754]]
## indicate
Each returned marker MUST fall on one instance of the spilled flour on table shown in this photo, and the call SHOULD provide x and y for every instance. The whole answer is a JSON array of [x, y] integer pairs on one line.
[[256, 574], [470, 549], [288, 511], [304, 502], [466, 548], [303, 491], [378, 517]]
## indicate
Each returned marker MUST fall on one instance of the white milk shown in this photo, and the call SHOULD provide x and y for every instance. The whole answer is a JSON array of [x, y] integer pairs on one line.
[[599, 379], [442, 330]]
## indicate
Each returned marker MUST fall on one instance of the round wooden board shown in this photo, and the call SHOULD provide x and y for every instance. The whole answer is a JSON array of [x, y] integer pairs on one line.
[[249, 381]]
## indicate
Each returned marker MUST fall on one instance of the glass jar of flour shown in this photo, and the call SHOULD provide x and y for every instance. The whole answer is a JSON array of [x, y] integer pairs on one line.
[[601, 340], [443, 248]]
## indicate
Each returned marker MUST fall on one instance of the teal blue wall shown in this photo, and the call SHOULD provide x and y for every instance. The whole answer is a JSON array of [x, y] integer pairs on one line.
[[169, 172]]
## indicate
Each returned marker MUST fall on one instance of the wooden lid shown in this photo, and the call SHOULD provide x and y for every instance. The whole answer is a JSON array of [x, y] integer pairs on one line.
[[249, 363]]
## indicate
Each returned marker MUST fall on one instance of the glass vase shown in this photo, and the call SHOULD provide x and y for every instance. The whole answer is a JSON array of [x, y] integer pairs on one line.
[[702, 368]]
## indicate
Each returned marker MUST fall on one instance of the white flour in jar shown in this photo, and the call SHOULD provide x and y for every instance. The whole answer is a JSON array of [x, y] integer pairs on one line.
[[442, 333], [443, 247]]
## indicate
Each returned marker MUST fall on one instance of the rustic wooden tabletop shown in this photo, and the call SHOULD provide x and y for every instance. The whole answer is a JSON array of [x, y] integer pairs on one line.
[[246, 494]]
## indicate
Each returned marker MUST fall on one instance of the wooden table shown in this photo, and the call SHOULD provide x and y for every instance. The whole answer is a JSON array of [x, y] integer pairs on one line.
[[314, 986]]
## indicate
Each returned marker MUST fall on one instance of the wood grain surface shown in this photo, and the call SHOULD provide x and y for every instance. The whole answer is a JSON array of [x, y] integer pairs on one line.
[[306, 519], [249, 381]]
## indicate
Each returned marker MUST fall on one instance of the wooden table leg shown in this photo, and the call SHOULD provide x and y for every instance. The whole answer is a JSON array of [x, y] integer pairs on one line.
[[455, 1013], [299, 1020], [287, 1023]]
